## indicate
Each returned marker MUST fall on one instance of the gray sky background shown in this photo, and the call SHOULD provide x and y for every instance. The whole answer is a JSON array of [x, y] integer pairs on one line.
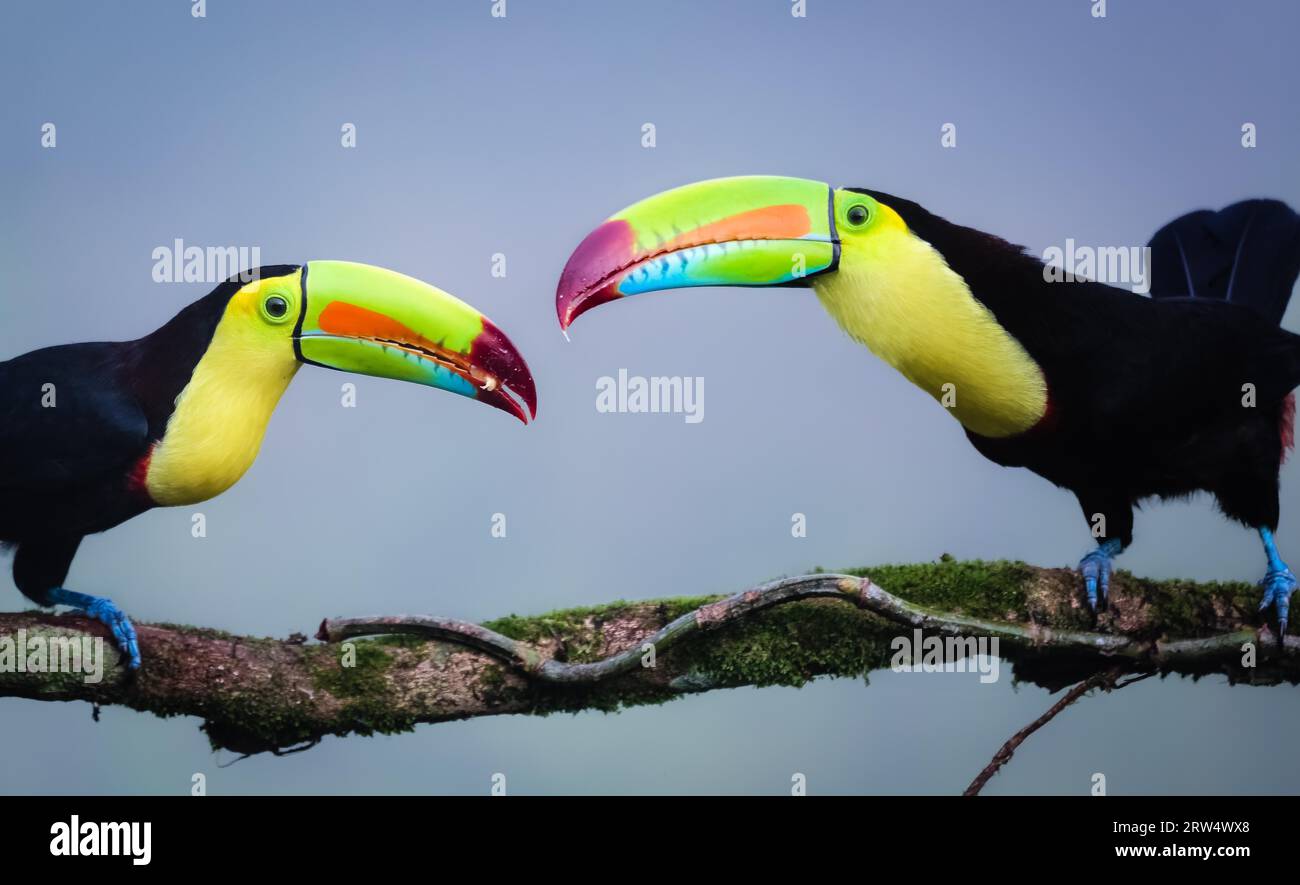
[[478, 135]]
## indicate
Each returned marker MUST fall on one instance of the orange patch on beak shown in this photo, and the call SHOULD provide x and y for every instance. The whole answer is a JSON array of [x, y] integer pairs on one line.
[[350, 321], [785, 222], [341, 318]]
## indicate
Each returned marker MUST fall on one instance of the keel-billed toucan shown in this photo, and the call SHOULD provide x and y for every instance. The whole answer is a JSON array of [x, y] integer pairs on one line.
[[1112, 395], [94, 434]]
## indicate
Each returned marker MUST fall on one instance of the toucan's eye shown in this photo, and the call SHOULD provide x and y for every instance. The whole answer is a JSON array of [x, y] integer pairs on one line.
[[276, 307], [858, 215]]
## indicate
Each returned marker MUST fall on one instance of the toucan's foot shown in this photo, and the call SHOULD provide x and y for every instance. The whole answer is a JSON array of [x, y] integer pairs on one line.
[[1278, 586], [1095, 568], [104, 610]]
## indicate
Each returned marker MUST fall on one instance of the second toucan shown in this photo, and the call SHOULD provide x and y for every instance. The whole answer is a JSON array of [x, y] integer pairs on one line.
[[94, 434], [1114, 396]]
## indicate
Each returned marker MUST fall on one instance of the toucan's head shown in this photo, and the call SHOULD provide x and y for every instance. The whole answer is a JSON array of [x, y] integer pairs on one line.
[[758, 230], [358, 318], [887, 271]]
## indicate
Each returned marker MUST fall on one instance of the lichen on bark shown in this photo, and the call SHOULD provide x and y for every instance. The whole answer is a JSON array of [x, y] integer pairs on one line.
[[258, 694]]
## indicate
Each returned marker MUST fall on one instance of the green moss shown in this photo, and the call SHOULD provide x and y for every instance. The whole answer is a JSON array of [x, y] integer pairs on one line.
[[789, 645], [494, 680], [676, 606], [52, 650], [578, 629], [364, 679], [786, 645], [364, 687], [1183, 608], [552, 625], [976, 588], [536, 628], [398, 640]]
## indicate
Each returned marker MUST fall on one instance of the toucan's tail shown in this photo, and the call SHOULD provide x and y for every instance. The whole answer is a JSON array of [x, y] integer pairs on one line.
[[1248, 253]]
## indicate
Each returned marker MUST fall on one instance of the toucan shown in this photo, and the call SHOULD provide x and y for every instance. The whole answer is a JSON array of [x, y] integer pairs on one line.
[[1115, 396], [94, 434]]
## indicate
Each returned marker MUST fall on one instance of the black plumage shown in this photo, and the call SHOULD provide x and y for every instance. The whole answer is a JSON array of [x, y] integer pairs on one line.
[[1147, 395], [69, 469]]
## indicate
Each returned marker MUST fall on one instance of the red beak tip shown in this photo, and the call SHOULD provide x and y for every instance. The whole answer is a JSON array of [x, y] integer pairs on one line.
[[572, 307], [564, 311]]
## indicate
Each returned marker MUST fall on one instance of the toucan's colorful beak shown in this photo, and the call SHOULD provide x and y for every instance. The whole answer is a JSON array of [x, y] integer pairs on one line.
[[757, 230], [364, 319]]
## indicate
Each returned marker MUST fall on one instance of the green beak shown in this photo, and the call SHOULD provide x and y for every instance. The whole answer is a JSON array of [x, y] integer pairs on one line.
[[372, 321], [758, 230]]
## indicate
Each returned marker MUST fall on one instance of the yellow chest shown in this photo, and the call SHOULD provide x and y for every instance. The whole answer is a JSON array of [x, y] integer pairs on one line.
[[221, 416], [898, 296]]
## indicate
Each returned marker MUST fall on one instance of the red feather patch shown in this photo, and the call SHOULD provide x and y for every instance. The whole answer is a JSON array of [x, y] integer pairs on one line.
[[138, 479], [1287, 423]]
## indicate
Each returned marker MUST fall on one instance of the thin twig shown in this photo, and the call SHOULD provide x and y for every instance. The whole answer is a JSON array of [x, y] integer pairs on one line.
[[1003, 756]]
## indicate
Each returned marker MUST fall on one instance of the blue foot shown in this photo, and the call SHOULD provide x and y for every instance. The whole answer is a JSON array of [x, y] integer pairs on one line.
[[1095, 569], [1278, 586], [104, 610]]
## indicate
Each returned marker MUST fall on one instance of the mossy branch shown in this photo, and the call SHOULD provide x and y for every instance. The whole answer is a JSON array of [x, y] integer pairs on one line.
[[260, 695]]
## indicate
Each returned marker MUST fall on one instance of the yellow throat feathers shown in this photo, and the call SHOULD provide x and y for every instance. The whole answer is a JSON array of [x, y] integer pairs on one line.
[[215, 433], [896, 294]]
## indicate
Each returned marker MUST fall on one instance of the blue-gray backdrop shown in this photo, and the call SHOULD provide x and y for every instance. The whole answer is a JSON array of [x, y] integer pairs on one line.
[[479, 135]]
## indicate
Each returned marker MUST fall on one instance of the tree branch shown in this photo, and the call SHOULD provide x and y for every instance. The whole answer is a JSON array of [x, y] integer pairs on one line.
[[260, 695], [1105, 678]]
